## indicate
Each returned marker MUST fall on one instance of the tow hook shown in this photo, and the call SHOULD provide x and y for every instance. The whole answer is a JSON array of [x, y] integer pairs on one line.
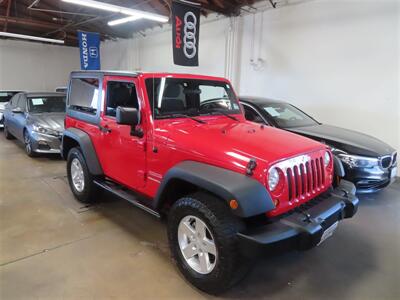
[[306, 214]]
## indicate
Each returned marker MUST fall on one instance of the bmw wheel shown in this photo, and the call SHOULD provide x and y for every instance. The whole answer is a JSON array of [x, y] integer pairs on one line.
[[202, 236]]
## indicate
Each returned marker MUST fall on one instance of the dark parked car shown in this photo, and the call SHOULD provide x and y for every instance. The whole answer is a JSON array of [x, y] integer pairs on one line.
[[5, 96], [369, 163], [37, 119]]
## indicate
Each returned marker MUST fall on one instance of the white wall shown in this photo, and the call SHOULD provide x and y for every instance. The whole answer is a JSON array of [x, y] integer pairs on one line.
[[336, 59], [34, 66], [154, 52]]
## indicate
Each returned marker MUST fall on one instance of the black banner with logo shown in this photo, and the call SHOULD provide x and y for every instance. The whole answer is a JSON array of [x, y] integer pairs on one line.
[[185, 34]]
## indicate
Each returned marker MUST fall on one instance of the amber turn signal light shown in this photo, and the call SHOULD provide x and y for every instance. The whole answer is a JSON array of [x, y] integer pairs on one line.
[[233, 204]]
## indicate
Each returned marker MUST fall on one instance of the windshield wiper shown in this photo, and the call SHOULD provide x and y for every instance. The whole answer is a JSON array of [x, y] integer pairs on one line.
[[184, 116], [222, 112]]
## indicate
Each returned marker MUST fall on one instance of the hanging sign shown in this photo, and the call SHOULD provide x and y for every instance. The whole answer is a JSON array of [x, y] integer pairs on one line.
[[89, 46], [185, 34]]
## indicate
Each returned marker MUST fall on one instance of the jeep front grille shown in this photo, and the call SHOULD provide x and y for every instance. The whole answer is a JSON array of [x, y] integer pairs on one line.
[[306, 177]]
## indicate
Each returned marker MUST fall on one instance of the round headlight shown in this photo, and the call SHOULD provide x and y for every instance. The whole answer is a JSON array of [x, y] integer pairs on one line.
[[327, 159], [273, 179]]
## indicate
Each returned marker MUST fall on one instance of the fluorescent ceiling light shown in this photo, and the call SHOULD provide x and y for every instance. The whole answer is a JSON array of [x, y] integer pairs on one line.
[[124, 20], [30, 37], [121, 10]]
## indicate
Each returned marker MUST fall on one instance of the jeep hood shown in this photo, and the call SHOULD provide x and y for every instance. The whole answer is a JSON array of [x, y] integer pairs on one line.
[[225, 142]]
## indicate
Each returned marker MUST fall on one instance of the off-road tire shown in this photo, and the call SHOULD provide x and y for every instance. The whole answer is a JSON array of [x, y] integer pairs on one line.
[[90, 190], [7, 134], [231, 266]]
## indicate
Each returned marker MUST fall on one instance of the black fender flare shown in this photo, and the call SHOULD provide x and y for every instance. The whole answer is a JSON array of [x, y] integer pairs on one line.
[[338, 167], [252, 196], [86, 145]]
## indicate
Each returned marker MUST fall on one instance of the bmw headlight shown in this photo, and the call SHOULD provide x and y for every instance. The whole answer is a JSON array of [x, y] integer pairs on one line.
[[44, 130], [327, 159], [355, 161], [273, 179]]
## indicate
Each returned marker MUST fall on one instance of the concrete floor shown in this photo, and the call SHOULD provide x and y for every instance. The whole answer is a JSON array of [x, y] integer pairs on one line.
[[55, 248]]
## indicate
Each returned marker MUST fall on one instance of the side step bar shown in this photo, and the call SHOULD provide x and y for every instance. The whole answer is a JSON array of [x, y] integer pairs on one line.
[[124, 194]]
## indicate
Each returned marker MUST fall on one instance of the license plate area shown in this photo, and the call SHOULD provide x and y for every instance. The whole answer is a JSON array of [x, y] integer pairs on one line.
[[328, 232]]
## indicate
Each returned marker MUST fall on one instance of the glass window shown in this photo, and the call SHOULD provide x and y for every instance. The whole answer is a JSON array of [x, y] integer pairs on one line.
[[286, 115], [21, 103], [171, 97], [6, 96], [14, 101], [120, 94], [84, 94], [46, 104], [252, 115]]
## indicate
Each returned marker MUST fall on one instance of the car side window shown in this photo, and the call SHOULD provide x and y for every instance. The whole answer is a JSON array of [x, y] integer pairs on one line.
[[21, 103], [14, 101], [120, 93], [84, 95], [252, 115]]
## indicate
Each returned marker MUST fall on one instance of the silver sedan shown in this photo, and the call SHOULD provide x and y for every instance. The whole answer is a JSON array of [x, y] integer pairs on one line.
[[36, 119]]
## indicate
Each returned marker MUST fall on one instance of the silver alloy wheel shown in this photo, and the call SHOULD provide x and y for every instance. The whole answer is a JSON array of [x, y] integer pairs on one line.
[[197, 244], [28, 146], [78, 179]]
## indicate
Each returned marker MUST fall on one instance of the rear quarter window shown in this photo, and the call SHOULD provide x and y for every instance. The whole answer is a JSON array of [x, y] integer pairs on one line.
[[84, 94]]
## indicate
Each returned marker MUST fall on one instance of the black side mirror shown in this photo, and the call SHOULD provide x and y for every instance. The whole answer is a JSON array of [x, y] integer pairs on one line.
[[129, 116], [17, 110]]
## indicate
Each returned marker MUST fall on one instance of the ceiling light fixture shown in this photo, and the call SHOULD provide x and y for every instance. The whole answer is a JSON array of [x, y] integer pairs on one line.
[[30, 37], [120, 9], [123, 20]]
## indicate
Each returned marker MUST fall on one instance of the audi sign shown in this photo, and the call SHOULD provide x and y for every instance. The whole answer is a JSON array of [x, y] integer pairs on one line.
[[185, 34]]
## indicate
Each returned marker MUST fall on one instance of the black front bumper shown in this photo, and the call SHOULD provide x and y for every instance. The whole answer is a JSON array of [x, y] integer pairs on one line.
[[304, 227]]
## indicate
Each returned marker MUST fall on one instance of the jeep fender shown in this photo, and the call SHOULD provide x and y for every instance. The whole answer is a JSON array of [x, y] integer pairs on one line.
[[86, 145], [252, 196], [338, 167]]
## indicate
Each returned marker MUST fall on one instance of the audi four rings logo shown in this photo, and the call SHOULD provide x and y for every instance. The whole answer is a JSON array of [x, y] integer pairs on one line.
[[189, 37], [189, 34]]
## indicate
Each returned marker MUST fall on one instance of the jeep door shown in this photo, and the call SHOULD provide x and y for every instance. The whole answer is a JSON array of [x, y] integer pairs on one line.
[[122, 154]]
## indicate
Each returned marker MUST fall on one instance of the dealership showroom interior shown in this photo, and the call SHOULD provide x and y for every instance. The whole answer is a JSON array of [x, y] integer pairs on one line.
[[199, 149]]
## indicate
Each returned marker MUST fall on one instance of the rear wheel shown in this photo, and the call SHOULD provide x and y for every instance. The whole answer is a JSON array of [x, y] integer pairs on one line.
[[203, 240], [28, 145], [79, 178], [7, 134]]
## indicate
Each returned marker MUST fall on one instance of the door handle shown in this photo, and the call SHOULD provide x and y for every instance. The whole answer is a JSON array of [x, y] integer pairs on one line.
[[104, 129]]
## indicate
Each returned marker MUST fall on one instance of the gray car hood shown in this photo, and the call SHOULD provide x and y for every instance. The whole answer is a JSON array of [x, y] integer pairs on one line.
[[53, 121], [351, 141]]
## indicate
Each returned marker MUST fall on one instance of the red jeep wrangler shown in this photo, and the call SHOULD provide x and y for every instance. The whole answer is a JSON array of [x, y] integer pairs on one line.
[[179, 145]]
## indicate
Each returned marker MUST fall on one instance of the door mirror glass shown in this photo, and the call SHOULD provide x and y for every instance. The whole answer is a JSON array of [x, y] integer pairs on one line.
[[128, 116]]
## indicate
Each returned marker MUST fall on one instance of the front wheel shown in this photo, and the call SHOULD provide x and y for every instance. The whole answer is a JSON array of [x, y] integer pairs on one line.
[[79, 178], [28, 145], [202, 235]]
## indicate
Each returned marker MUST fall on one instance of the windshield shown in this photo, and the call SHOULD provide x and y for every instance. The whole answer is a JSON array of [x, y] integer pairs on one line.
[[46, 104], [286, 115], [6, 96], [174, 97]]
